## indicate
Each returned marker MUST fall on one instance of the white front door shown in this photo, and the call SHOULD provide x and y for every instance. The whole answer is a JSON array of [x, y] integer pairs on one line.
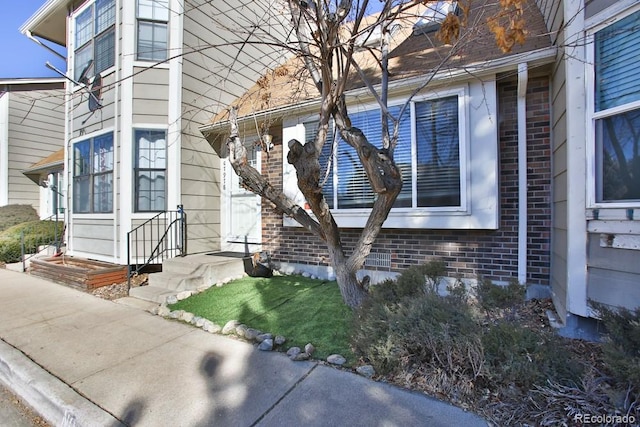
[[243, 230]]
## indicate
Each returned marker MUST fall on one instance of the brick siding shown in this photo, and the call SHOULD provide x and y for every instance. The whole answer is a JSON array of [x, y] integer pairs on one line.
[[492, 254]]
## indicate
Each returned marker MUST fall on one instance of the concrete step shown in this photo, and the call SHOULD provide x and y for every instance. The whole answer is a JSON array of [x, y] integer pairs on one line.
[[193, 271], [176, 282], [151, 294]]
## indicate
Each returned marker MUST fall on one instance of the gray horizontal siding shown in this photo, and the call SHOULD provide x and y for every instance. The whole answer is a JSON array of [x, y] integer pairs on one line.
[[35, 130], [151, 95], [93, 236], [85, 121]]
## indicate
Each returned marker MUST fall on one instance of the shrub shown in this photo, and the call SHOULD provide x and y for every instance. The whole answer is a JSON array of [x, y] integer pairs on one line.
[[11, 215], [493, 296], [428, 331], [622, 345], [412, 282], [524, 357], [36, 233]]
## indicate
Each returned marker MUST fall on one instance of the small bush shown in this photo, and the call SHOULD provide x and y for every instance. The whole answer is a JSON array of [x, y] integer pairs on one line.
[[412, 282], [622, 346], [11, 215], [36, 233], [493, 296], [435, 333], [524, 357]]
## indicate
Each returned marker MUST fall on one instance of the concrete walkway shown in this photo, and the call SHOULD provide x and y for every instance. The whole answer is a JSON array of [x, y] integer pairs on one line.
[[82, 361]]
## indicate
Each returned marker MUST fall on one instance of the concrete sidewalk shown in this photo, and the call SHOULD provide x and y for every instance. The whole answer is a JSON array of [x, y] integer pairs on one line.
[[80, 360]]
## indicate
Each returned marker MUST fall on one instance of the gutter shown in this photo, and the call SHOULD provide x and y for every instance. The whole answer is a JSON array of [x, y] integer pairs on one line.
[[534, 58], [39, 43], [523, 76]]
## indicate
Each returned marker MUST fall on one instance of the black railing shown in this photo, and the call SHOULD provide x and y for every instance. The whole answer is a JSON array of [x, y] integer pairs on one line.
[[40, 236], [162, 237]]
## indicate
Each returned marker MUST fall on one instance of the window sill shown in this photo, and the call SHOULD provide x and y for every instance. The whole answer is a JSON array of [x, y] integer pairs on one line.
[[101, 215], [479, 219], [617, 213], [164, 65]]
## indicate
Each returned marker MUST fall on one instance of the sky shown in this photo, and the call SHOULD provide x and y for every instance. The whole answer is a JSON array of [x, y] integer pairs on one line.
[[22, 57]]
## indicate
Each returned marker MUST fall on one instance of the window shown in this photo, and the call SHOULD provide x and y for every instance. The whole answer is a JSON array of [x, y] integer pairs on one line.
[[435, 13], [150, 170], [616, 117], [153, 16], [428, 155], [93, 175], [95, 38]]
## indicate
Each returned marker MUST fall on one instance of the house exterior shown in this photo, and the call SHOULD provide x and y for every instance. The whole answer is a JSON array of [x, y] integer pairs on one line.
[[522, 209], [31, 128], [596, 177], [48, 174], [141, 77], [474, 150]]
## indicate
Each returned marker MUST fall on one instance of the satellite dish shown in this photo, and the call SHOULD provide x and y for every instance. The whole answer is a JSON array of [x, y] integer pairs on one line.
[[83, 75], [95, 93]]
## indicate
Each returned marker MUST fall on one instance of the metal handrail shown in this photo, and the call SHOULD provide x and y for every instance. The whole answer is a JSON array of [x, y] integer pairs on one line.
[[35, 244], [169, 240]]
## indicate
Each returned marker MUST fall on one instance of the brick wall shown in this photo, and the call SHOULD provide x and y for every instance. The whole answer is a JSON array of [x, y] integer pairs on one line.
[[467, 253]]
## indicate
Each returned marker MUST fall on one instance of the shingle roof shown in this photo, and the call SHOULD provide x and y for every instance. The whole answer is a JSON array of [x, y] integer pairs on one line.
[[411, 55]]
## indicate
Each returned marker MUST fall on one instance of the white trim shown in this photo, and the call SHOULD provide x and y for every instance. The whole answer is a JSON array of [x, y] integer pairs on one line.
[[576, 280], [127, 44], [41, 14], [94, 134], [117, 184], [98, 215], [614, 226], [28, 81], [94, 256], [151, 64], [478, 164], [174, 131], [134, 153], [523, 76], [4, 149], [603, 21], [609, 15]]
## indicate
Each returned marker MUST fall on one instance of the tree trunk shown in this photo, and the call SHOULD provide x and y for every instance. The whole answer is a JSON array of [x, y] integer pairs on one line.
[[350, 288]]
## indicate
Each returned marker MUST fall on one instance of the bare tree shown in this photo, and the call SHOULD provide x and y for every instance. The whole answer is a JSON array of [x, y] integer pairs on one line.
[[331, 41]]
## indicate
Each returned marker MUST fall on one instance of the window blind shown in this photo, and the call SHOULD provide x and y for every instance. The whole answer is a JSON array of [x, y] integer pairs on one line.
[[617, 54], [438, 152]]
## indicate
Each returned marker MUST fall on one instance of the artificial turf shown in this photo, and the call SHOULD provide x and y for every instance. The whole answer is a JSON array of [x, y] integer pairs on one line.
[[303, 310]]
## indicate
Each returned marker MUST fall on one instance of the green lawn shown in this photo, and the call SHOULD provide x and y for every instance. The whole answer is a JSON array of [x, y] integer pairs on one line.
[[301, 309]]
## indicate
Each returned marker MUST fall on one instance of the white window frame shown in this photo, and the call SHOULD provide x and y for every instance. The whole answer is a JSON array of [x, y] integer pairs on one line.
[[151, 21], [600, 22], [479, 163], [72, 209], [136, 169], [72, 38]]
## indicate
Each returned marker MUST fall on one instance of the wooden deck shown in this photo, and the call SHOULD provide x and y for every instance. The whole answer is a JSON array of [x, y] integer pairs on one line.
[[79, 273]]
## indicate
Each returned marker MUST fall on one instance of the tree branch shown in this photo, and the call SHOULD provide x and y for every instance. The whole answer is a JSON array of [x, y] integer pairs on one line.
[[258, 184]]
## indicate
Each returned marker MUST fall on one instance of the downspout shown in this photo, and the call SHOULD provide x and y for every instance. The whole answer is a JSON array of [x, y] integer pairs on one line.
[[4, 149], [39, 43], [117, 254], [523, 77]]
